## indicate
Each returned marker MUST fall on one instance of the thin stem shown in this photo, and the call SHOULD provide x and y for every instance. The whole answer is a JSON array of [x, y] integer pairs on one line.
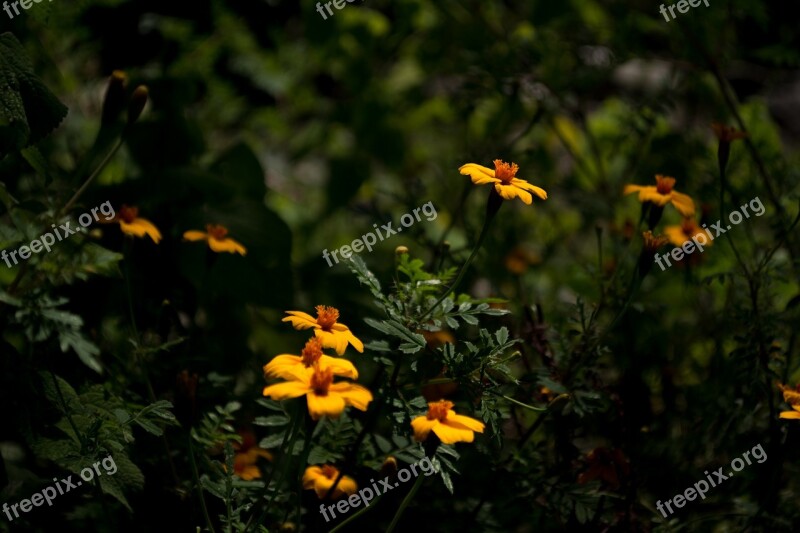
[[94, 174], [197, 484], [404, 505]]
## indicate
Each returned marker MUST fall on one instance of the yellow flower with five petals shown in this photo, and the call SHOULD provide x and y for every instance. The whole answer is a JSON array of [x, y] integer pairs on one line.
[[217, 239], [445, 424], [507, 185], [288, 366], [322, 478], [662, 193], [327, 328]]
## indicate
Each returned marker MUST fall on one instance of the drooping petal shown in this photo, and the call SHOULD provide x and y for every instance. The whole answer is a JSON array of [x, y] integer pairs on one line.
[[347, 485], [311, 475], [675, 235], [355, 395], [465, 421], [340, 367], [287, 389], [422, 427], [194, 235], [352, 339], [449, 434], [522, 184], [509, 192], [333, 339], [300, 320], [790, 414], [633, 188], [330, 405], [651, 194], [683, 203], [287, 366], [226, 245], [480, 175], [141, 227]]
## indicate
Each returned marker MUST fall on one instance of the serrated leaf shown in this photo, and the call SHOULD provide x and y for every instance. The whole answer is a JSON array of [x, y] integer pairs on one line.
[[271, 421]]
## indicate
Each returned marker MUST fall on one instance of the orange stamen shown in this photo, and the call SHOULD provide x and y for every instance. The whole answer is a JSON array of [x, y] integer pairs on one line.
[[312, 351], [438, 410], [128, 214], [327, 316], [664, 184], [505, 172], [216, 231], [321, 380], [329, 472]]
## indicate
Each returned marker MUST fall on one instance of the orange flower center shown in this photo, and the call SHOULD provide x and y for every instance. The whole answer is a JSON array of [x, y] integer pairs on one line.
[[216, 231], [327, 316], [128, 214], [664, 184], [321, 380], [505, 172], [329, 472], [438, 410], [689, 227], [311, 352], [653, 243]]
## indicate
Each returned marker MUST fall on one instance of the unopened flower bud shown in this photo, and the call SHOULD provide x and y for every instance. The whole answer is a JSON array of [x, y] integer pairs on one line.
[[400, 250], [114, 101], [137, 103]]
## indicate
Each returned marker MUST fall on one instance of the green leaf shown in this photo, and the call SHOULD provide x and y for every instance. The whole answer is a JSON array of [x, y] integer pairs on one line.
[[271, 421]]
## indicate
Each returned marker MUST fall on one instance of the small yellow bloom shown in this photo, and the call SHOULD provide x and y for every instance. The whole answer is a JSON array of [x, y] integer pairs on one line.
[[217, 240], [689, 228], [792, 397], [131, 224], [290, 367], [322, 478], [245, 463], [504, 179], [333, 334], [661, 194], [446, 424], [324, 397]]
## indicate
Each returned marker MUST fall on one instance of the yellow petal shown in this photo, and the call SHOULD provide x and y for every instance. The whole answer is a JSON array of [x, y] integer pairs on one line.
[[311, 475], [651, 194], [683, 203], [509, 192], [422, 427], [330, 405], [790, 414], [347, 485], [141, 227], [249, 473], [287, 366], [333, 339], [355, 395], [675, 235], [300, 320], [465, 421], [226, 245], [352, 339], [479, 175], [450, 435], [287, 389], [522, 184], [194, 235], [340, 367]]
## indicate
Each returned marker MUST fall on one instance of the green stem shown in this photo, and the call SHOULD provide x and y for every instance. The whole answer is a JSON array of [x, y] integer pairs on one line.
[[94, 174], [359, 513], [406, 502], [196, 476]]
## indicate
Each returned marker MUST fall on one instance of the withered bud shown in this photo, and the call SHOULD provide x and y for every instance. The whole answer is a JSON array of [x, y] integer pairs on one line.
[[137, 103], [114, 101]]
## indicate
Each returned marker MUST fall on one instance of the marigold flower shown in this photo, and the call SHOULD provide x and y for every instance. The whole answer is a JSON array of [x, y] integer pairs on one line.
[[446, 424], [504, 179], [333, 334], [245, 462], [653, 242], [792, 397], [288, 366], [324, 397], [215, 235], [131, 224], [661, 194], [322, 478], [679, 234]]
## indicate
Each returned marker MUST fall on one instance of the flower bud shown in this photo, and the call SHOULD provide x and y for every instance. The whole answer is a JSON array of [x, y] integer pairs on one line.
[[137, 102], [114, 101]]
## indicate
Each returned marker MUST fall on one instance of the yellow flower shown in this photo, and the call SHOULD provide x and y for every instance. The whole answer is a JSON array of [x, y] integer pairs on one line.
[[792, 397], [661, 194], [324, 397], [446, 424], [333, 334], [505, 183], [689, 228], [245, 463], [131, 224], [290, 367], [321, 479], [217, 240]]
